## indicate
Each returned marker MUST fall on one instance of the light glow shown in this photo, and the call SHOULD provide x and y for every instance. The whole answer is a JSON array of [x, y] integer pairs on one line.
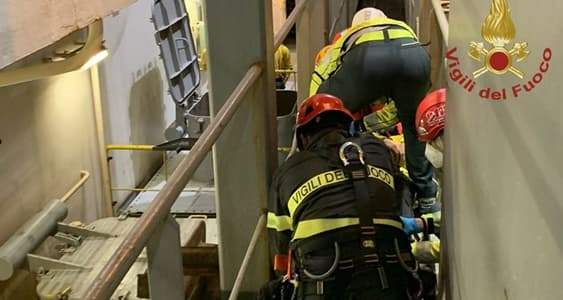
[[98, 57]]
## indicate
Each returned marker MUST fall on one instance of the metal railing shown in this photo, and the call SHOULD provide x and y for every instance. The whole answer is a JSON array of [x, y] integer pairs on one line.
[[247, 256], [118, 265], [84, 175], [165, 166], [115, 269]]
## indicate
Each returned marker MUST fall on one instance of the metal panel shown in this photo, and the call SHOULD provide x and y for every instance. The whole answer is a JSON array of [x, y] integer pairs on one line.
[[503, 191], [176, 47], [240, 34], [197, 198]]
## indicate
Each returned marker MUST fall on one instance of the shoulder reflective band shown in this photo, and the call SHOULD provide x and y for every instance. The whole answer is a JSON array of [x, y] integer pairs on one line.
[[379, 35], [309, 228], [278, 223], [329, 178]]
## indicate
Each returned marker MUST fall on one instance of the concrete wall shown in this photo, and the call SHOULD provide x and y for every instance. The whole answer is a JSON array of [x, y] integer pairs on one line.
[[48, 135], [137, 107], [504, 197]]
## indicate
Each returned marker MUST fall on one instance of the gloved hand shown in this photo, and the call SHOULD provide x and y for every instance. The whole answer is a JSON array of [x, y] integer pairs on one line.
[[435, 216], [433, 221], [412, 225]]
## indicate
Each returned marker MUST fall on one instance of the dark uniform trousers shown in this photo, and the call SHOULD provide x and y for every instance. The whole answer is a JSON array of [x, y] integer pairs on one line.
[[399, 69]]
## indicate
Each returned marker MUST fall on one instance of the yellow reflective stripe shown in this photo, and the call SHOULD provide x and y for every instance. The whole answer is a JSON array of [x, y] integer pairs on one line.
[[381, 175], [314, 184], [379, 35], [405, 172], [308, 228], [329, 178], [332, 61], [279, 223], [379, 22]]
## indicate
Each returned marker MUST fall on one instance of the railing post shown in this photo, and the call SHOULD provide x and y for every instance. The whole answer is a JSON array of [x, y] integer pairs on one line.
[[165, 273], [240, 33]]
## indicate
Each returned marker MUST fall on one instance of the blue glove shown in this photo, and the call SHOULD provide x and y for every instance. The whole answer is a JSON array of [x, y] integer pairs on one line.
[[410, 226]]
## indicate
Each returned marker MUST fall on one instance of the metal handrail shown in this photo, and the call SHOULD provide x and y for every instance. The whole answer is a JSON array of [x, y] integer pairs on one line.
[[110, 276], [248, 255], [442, 20], [152, 148], [291, 20], [278, 40], [84, 175]]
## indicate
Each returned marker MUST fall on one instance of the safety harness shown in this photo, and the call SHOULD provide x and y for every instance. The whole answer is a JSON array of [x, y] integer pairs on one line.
[[352, 156], [371, 256]]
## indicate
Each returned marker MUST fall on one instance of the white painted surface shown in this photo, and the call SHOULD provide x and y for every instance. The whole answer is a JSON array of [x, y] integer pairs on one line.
[[137, 107], [504, 192]]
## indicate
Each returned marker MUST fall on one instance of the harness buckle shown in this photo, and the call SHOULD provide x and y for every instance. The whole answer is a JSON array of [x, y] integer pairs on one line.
[[348, 154]]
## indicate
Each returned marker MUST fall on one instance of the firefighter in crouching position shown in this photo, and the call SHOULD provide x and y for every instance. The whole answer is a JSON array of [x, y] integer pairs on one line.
[[377, 59], [335, 210]]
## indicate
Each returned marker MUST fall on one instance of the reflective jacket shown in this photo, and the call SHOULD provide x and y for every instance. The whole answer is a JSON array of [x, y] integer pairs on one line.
[[355, 35], [311, 194]]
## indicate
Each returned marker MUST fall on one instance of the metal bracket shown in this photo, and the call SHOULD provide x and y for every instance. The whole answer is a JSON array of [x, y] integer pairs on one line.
[[38, 263], [81, 231], [70, 239]]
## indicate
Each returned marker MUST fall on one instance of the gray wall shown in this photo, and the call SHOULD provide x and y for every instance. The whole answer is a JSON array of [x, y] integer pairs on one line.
[[137, 107], [504, 191], [48, 136]]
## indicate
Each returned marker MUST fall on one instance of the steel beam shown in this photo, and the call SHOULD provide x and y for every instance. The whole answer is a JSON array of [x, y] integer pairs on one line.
[[240, 34], [312, 34]]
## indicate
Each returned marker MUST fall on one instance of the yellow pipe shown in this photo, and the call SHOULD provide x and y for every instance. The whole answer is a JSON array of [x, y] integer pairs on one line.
[[165, 164], [131, 147], [290, 71], [124, 189], [84, 175], [107, 198]]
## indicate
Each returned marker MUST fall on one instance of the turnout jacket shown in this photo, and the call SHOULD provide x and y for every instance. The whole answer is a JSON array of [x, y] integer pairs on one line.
[[311, 195]]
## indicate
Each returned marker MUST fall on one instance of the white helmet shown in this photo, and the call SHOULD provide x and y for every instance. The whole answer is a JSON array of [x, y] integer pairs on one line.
[[366, 14]]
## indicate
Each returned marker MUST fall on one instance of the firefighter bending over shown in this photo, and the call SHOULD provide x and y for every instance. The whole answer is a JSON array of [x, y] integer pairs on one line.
[[380, 58]]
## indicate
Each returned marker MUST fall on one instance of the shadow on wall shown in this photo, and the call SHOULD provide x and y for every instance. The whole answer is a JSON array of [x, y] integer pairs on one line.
[[147, 120]]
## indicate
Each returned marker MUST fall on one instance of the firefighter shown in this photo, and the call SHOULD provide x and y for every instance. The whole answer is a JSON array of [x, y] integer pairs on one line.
[[282, 63], [334, 208], [379, 59]]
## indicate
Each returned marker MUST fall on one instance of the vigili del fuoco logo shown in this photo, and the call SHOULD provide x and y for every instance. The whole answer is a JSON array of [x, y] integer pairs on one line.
[[499, 57]]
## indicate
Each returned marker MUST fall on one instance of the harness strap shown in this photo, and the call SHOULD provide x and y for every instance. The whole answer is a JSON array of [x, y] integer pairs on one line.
[[351, 155]]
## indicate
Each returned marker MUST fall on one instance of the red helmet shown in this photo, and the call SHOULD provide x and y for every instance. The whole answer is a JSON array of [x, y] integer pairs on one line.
[[431, 115], [318, 104]]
